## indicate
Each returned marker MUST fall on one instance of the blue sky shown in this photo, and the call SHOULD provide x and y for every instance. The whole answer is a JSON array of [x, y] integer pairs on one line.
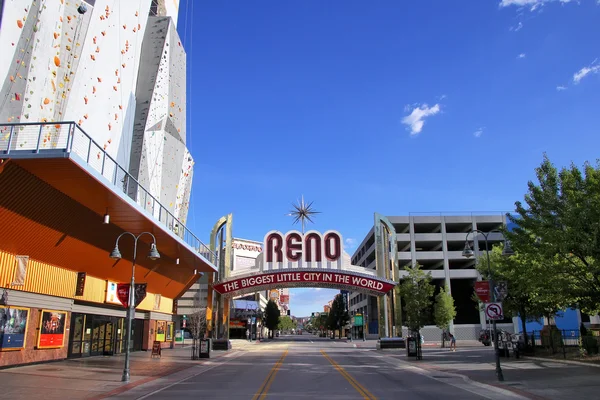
[[390, 107]]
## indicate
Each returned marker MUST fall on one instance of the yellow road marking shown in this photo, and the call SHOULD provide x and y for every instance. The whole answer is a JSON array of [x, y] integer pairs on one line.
[[264, 388], [359, 388]]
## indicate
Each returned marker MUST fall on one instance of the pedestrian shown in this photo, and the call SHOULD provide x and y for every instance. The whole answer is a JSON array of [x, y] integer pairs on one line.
[[452, 342], [248, 334]]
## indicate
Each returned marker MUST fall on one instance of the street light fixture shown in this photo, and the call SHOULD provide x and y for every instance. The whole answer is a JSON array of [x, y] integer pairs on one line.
[[506, 251], [116, 254]]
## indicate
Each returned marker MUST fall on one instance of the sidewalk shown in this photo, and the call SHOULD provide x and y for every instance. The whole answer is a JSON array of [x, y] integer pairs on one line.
[[100, 377], [534, 379]]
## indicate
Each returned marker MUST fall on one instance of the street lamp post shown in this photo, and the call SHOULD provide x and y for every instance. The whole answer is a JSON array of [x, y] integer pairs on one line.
[[507, 251], [116, 254]]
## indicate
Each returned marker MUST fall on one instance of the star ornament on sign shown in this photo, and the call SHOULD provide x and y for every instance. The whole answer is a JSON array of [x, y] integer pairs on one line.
[[302, 212]]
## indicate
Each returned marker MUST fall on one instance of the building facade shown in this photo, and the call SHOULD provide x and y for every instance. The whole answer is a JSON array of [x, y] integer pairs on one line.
[[436, 243], [92, 145]]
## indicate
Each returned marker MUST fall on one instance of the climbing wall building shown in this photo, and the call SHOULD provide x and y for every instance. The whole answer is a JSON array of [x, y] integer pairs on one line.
[[92, 152], [159, 157], [117, 70]]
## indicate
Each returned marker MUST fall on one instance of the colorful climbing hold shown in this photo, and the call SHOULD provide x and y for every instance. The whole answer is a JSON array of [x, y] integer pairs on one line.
[[19, 23], [103, 33], [46, 101], [99, 79], [85, 99], [93, 89], [55, 35], [57, 61]]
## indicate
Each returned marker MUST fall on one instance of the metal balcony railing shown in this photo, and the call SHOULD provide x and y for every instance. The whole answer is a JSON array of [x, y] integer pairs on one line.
[[62, 139]]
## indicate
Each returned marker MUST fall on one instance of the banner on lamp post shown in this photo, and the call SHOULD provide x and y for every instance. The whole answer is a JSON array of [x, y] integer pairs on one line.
[[482, 289], [139, 293]]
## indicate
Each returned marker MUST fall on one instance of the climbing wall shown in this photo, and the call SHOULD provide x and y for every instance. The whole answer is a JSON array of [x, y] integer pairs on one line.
[[60, 65], [159, 157]]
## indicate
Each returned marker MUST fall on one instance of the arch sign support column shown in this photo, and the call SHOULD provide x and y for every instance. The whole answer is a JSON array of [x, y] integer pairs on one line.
[[217, 305]]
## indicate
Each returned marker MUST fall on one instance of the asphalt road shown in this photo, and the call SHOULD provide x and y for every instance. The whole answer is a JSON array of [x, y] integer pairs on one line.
[[307, 367]]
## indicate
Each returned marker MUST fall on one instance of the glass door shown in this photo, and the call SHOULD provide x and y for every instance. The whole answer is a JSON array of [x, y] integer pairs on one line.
[[76, 335]]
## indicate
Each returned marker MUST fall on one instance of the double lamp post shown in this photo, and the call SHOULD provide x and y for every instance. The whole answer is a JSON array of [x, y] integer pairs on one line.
[[506, 251], [116, 255]]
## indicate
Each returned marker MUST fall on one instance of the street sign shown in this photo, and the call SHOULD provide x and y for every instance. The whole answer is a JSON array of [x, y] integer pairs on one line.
[[501, 289], [482, 289], [494, 311]]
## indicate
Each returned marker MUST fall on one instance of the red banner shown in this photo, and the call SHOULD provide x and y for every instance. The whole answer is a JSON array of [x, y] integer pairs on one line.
[[284, 278], [482, 289], [123, 293]]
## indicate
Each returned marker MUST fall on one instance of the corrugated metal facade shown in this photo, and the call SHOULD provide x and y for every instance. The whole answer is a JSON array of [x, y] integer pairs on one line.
[[43, 278], [94, 291], [166, 304]]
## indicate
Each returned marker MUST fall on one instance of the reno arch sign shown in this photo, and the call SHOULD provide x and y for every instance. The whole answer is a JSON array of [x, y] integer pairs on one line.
[[295, 250], [312, 259]]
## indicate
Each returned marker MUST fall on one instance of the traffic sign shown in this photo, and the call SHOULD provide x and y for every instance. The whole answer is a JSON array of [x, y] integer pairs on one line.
[[494, 311], [482, 289], [501, 289]]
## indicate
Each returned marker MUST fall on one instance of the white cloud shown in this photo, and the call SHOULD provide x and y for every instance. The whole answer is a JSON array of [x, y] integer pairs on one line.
[[585, 71], [522, 55], [350, 243], [560, 88], [478, 132], [416, 119], [533, 3], [517, 28]]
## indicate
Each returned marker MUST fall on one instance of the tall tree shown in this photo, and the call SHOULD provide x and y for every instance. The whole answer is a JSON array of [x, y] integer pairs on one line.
[[444, 311], [197, 324], [416, 291], [338, 315], [272, 314], [561, 215], [286, 323]]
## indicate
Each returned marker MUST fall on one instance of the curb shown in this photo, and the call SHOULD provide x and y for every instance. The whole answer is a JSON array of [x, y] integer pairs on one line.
[[572, 362]]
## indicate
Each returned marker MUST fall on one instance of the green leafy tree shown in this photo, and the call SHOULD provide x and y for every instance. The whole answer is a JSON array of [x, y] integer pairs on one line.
[[286, 323], [271, 316], [338, 315], [444, 311], [322, 322], [533, 292], [416, 291], [560, 218]]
